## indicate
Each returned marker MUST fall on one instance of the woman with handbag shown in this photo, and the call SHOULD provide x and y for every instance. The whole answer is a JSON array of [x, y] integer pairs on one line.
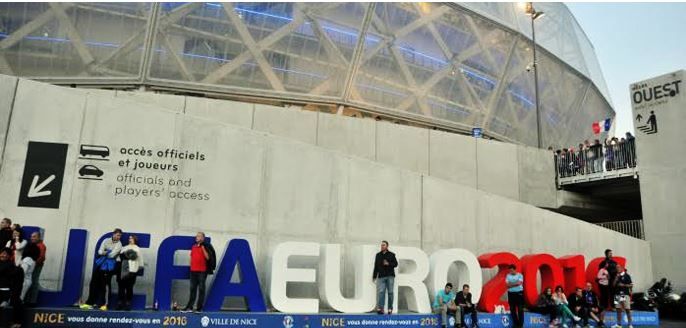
[[105, 267], [131, 264]]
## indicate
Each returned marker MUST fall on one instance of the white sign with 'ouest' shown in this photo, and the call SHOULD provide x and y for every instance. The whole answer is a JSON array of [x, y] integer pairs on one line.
[[659, 114]]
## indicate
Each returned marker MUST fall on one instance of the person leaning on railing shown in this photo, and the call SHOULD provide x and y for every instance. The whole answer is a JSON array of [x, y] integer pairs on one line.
[[631, 149], [597, 149], [609, 154]]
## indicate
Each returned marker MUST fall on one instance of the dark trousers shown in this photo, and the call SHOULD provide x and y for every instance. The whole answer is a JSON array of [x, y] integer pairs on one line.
[[126, 284], [550, 310], [583, 313], [14, 299], [100, 287], [471, 310], [197, 282], [516, 302], [605, 297]]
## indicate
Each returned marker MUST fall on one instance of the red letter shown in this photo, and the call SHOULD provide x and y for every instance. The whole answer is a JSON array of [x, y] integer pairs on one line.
[[594, 266], [574, 273], [495, 288], [551, 274]]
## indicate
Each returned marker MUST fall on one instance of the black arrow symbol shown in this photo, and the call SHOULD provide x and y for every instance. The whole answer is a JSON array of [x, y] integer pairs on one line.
[[639, 118]]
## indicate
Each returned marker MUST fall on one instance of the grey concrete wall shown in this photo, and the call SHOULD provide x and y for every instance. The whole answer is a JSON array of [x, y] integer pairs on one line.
[[292, 123], [224, 111], [497, 168], [266, 189], [535, 175], [171, 102], [348, 135], [449, 156], [402, 146], [42, 113], [452, 157], [8, 85]]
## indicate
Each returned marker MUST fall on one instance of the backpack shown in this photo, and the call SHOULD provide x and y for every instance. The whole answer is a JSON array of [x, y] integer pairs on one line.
[[212, 261]]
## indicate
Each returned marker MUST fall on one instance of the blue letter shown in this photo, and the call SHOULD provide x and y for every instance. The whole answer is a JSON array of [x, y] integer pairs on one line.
[[166, 271], [72, 279], [238, 252]]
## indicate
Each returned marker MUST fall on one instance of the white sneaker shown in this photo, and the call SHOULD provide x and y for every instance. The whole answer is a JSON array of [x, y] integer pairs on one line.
[[564, 325], [631, 326], [576, 318]]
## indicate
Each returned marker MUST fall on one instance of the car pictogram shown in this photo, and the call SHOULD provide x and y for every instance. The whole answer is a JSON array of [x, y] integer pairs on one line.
[[90, 170]]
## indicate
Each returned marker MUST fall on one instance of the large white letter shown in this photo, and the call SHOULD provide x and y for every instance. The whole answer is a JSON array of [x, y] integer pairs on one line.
[[414, 270], [280, 275], [330, 278], [440, 265]]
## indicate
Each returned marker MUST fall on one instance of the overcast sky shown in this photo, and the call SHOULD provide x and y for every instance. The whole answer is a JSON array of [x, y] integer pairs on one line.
[[633, 42]]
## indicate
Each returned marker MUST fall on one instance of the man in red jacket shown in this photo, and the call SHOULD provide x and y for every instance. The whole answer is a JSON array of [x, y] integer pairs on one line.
[[202, 263]]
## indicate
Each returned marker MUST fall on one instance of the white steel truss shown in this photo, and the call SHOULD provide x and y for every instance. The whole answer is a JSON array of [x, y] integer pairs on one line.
[[328, 51]]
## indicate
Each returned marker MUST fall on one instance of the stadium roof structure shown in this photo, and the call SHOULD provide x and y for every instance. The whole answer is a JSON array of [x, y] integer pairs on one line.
[[454, 66]]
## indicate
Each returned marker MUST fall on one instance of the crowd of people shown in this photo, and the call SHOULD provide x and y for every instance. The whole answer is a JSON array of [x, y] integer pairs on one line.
[[583, 304], [594, 157], [578, 308], [21, 263]]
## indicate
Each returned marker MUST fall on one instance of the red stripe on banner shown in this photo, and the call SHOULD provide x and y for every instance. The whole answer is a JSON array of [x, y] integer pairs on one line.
[[596, 127]]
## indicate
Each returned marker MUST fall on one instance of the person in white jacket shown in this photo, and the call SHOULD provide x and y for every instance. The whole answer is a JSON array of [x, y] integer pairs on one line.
[[131, 263], [17, 245]]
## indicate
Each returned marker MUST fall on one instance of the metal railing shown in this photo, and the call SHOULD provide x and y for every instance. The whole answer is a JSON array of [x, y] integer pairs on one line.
[[633, 228], [595, 159]]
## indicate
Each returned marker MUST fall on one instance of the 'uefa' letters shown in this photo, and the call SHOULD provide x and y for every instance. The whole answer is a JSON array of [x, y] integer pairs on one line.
[[414, 268]]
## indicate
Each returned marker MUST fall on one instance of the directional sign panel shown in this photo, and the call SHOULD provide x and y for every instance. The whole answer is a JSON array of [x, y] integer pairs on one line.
[[41, 184]]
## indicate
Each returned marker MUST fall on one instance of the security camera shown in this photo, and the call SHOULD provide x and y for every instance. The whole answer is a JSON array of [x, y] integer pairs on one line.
[[529, 68]]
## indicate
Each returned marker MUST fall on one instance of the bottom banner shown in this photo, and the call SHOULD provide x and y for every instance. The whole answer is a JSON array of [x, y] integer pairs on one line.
[[117, 319]]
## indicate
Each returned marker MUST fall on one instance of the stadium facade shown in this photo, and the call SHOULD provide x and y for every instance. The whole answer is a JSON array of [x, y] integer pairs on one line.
[[454, 66], [77, 162]]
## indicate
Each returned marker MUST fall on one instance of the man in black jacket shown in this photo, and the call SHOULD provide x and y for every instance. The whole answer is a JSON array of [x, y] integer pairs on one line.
[[576, 302], [463, 299], [384, 275]]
